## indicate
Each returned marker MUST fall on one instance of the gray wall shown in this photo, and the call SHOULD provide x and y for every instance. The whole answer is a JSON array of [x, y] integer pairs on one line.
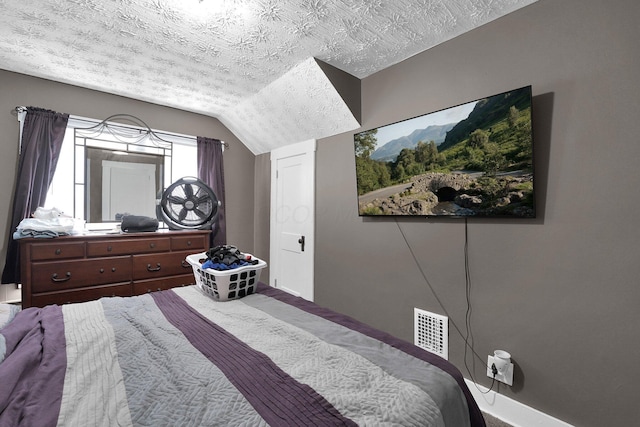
[[560, 292], [18, 89]]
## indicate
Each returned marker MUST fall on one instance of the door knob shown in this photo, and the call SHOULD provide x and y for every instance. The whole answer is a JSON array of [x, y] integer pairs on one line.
[[301, 241]]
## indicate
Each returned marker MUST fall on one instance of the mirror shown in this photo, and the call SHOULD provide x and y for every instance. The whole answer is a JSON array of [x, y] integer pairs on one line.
[[119, 183], [92, 150], [118, 170]]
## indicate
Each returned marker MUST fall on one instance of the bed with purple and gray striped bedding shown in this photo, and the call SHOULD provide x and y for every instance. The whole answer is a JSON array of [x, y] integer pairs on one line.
[[176, 357]]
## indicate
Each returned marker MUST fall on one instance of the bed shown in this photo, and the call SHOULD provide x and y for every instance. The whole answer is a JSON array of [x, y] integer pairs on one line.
[[177, 357]]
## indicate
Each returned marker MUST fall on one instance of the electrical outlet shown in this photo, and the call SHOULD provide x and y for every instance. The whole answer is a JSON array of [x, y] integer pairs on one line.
[[505, 377]]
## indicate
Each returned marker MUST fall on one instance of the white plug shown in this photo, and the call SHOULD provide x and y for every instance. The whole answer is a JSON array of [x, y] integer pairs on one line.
[[504, 375]]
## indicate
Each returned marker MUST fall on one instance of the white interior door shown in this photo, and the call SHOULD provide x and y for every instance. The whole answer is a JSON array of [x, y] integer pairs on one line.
[[292, 218], [119, 195]]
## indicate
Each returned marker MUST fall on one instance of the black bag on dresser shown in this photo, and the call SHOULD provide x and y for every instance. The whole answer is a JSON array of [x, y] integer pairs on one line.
[[138, 223]]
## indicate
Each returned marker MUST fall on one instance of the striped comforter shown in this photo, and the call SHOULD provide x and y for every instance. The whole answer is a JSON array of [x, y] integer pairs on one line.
[[177, 357]]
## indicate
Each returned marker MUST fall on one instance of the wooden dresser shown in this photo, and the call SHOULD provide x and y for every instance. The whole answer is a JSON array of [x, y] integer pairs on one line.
[[87, 267]]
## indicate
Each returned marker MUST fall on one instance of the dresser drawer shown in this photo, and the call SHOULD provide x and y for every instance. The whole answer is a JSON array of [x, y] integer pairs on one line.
[[89, 266], [111, 247], [81, 295], [56, 250], [195, 243], [51, 276], [160, 265]]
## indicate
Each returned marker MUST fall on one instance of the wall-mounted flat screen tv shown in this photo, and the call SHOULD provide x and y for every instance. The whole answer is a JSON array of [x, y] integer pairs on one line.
[[471, 160]]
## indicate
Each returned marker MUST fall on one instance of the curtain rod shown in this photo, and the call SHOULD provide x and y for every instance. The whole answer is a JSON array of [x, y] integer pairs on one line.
[[131, 119]]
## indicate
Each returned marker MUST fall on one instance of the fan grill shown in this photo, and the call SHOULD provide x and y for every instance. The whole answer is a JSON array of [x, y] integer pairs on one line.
[[188, 203]]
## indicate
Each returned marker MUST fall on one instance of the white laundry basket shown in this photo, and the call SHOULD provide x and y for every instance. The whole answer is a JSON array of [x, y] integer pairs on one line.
[[226, 285]]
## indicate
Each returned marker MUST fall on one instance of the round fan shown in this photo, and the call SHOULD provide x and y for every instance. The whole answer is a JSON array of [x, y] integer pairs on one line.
[[188, 204]]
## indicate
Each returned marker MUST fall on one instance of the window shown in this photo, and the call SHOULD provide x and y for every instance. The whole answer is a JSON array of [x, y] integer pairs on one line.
[[105, 171]]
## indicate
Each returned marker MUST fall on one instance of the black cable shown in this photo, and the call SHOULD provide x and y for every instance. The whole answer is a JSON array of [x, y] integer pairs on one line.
[[466, 336]]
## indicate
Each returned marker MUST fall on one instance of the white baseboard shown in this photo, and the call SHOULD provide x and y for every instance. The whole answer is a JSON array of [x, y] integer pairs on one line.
[[511, 411]]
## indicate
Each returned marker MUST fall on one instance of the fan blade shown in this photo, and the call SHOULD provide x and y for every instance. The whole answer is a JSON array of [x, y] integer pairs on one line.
[[182, 215], [188, 190], [176, 200], [203, 199], [200, 213]]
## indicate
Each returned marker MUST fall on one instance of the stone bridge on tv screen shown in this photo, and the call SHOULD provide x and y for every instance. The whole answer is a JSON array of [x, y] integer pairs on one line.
[[444, 185]]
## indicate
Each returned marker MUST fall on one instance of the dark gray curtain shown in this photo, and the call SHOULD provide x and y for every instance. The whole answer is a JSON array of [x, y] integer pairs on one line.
[[42, 137], [211, 171]]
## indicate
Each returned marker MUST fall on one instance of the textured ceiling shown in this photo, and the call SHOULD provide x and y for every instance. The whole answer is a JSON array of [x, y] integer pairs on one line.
[[248, 63]]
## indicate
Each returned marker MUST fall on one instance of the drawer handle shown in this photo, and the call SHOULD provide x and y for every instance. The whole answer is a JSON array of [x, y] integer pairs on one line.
[[54, 277], [188, 242], [58, 251], [152, 245], [185, 264], [109, 248], [149, 268]]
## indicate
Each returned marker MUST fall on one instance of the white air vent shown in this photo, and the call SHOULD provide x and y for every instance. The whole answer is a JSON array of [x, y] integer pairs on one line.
[[431, 332]]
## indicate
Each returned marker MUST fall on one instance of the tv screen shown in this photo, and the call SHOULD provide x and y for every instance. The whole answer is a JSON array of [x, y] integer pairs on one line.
[[471, 160]]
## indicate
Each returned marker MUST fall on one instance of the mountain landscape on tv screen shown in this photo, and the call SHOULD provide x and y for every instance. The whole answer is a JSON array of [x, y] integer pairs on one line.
[[481, 165], [390, 150]]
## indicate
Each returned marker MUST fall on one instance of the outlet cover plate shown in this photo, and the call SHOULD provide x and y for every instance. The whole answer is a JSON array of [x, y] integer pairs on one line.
[[506, 377]]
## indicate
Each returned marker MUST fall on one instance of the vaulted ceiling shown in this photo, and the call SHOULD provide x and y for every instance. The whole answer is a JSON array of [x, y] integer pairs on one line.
[[249, 63]]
